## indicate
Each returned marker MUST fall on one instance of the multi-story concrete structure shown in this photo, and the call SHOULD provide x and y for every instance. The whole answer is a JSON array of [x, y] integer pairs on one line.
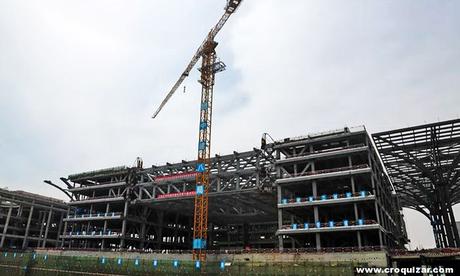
[[332, 192], [152, 208], [29, 220], [318, 191]]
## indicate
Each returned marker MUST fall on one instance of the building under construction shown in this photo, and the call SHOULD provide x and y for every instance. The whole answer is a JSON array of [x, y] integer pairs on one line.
[[30, 220], [332, 192], [318, 191], [323, 190], [424, 165]]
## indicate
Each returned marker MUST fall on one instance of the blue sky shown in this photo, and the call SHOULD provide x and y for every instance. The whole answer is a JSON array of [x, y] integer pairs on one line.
[[79, 80]]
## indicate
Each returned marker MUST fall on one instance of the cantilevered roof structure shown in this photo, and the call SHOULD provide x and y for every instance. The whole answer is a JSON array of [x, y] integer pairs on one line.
[[423, 163]]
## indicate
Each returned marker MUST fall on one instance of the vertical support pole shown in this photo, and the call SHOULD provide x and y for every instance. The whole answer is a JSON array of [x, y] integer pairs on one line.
[[316, 215], [25, 241], [19, 211], [5, 229], [65, 229], [355, 207], [88, 225], [379, 223], [358, 233], [104, 230], [123, 227], [58, 238], [42, 223], [454, 224], [293, 240], [45, 238], [280, 217]]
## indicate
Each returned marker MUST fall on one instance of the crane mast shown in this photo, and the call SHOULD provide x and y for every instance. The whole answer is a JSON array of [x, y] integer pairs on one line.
[[209, 67], [200, 221]]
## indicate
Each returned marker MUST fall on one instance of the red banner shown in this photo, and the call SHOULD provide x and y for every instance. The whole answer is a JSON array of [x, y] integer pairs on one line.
[[182, 194], [175, 176]]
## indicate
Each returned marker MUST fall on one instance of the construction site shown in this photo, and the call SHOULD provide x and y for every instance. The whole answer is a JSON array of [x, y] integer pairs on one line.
[[320, 204], [325, 196]]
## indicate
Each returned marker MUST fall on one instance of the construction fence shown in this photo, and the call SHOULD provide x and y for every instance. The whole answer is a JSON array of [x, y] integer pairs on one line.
[[32, 263]]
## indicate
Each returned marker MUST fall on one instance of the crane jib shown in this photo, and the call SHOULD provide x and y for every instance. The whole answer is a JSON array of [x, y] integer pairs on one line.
[[232, 5]]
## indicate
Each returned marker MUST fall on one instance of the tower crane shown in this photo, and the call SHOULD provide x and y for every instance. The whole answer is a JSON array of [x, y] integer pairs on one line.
[[209, 67]]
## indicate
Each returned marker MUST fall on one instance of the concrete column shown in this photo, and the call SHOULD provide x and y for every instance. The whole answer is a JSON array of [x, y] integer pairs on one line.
[[280, 217], [25, 242], [314, 189], [317, 235], [5, 229], [107, 210], [358, 233], [19, 212], [379, 222], [353, 186], [42, 223], [123, 227], [48, 222], [358, 237], [381, 239], [316, 212], [238, 180], [65, 228], [88, 225], [292, 238], [59, 229], [280, 224]]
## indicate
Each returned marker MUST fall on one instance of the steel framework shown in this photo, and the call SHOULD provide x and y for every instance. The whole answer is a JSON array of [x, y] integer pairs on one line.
[[331, 191], [423, 164], [240, 187], [30, 220], [150, 208]]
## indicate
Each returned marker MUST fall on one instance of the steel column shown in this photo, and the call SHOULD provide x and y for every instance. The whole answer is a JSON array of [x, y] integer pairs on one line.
[[26, 234], [6, 226]]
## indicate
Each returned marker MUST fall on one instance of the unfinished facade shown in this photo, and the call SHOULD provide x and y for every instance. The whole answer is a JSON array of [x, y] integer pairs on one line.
[[319, 191], [424, 165], [151, 208], [29, 220], [332, 192]]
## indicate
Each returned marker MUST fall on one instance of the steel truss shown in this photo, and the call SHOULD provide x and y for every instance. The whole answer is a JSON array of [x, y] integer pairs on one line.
[[151, 208], [423, 163], [240, 186]]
